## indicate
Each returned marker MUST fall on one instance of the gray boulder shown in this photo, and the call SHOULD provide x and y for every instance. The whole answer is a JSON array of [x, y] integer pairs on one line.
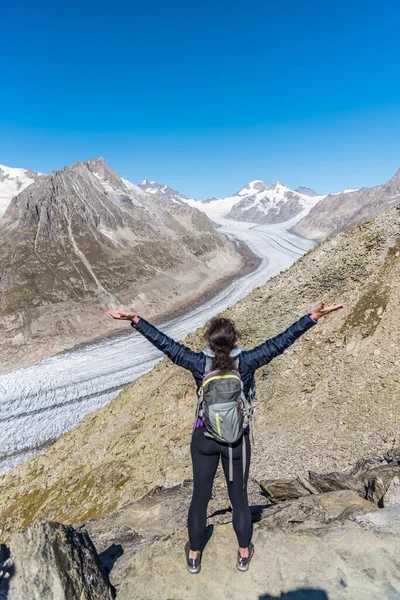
[[392, 495], [384, 521], [332, 482], [378, 480], [314, 511], [376, 490], [54, 562], [370, 479], [283, 489]]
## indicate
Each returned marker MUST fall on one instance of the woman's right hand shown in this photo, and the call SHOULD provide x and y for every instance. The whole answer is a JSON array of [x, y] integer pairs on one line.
[[323, 310], [123, 316]]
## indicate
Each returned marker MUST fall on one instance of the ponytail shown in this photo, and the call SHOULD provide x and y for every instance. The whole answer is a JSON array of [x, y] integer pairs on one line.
[[222, 336], [222, 361]]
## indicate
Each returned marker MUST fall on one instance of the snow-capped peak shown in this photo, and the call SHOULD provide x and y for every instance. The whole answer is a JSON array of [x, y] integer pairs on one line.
[[258, 202], [253, 187], [254, 184], [278, 184], [12, 182], [161, 189]]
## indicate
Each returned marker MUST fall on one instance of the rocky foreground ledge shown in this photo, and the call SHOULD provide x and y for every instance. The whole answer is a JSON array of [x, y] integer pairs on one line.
[[327, 536]]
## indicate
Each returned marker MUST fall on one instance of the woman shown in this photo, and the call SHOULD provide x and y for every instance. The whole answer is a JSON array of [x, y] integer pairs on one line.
[[222, 336]]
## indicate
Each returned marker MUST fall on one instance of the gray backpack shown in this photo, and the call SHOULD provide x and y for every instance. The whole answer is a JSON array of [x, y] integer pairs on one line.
[[224, 409]]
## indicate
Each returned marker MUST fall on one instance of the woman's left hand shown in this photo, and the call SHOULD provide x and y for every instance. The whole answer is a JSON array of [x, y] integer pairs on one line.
[[323, 310]]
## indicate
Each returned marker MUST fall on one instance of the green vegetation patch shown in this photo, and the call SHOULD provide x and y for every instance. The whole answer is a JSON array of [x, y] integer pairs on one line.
[[367, 313], [394, 251]]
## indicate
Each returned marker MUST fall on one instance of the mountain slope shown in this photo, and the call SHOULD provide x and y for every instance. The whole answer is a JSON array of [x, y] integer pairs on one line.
[[12, 182], [81, 239], [339, 212], [331, 399]]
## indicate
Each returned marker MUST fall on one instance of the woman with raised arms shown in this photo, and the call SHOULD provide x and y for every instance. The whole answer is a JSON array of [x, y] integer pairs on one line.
[[222, 355]]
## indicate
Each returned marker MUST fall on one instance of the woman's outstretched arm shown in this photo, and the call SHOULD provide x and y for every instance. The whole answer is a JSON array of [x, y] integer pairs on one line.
[[179, 354], [264, 353]]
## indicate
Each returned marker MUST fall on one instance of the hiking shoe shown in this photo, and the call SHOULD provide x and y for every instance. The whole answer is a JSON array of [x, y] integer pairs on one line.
[[193, 564], [243, 563]]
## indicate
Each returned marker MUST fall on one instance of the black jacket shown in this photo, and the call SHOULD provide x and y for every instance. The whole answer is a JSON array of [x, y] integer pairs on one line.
[[249, 360]]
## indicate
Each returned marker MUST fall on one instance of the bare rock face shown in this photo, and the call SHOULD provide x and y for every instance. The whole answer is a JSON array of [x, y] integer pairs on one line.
[[340, 212], [83, 239], [54, 562], [384, 521]]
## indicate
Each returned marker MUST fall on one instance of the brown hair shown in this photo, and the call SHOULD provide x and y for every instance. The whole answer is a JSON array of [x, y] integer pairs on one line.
[[221, 335]]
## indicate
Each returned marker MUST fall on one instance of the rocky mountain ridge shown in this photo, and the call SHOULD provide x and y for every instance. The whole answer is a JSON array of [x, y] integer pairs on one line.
[[340, 212], [81, 239]]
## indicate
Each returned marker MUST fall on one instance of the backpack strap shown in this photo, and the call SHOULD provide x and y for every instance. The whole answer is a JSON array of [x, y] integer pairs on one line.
[[199, 403], [253, 402], [230, 463], [208, 365], [207, 368], [244, 457]]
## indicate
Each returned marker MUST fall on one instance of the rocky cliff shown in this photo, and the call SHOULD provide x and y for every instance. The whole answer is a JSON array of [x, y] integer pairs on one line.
[[81, 239], [330, 399], [340, 212]]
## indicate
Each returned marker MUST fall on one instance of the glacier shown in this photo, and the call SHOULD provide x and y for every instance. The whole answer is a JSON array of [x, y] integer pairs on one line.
[[43, 401]]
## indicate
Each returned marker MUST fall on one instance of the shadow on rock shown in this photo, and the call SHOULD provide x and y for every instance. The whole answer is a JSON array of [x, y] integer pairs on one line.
[[300, 594], [6, 571], [207, 536], [109, 557]]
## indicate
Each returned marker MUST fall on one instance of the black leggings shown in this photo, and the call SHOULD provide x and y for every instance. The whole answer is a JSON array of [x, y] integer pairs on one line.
[[205, 458]]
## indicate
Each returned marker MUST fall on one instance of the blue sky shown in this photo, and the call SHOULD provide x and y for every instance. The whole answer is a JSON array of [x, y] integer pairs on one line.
[[205, 96]]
